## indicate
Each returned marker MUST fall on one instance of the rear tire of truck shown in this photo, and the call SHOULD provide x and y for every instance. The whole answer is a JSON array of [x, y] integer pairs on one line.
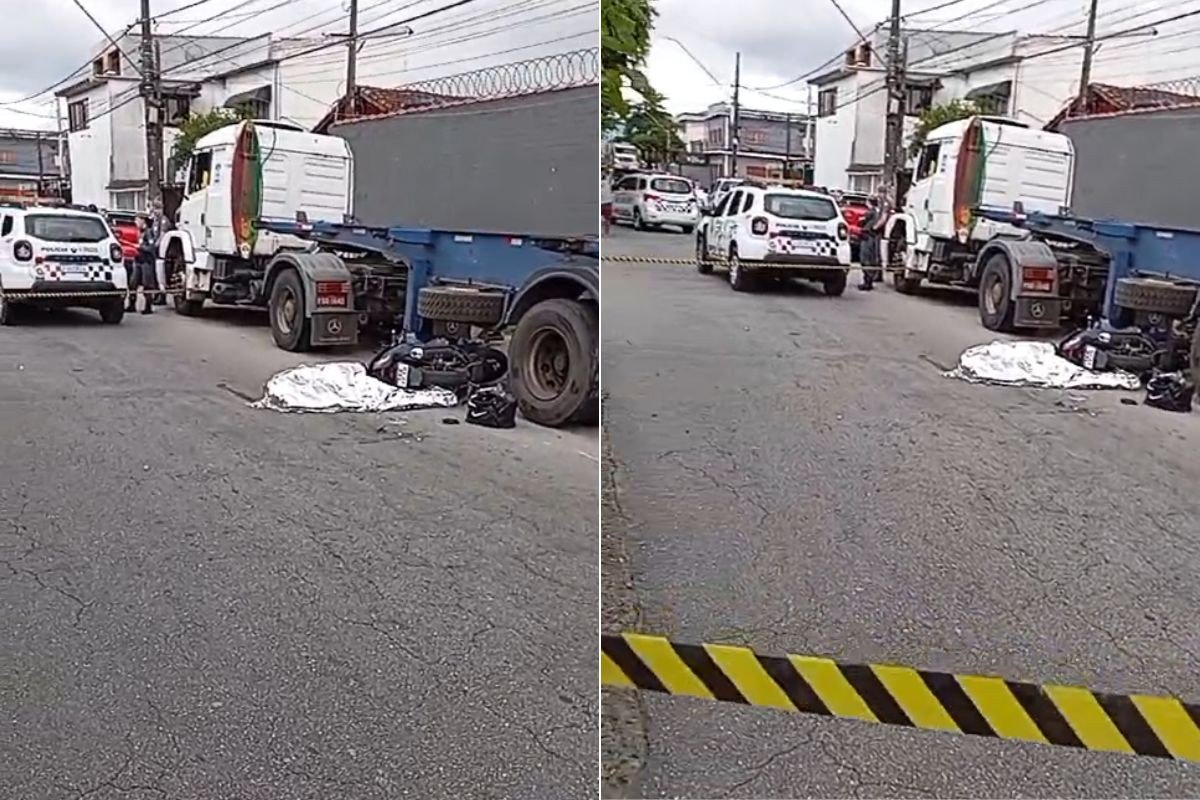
[[458, 304], [113, 312], [290, 326], [188, 308], [835, 285], [996, 307], [1154, 296], [703, 265], [554, 368]]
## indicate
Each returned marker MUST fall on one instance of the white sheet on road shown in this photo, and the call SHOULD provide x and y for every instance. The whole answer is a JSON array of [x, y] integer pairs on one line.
[[344, 386], [1032, 364]]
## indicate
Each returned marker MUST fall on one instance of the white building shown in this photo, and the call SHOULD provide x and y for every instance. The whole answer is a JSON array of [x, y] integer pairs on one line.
[[770, 142], [995, 70], [106, 117]]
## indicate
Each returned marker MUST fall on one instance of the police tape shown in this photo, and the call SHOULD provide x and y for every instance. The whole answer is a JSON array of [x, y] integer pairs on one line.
[[19, 296], [1067, 716], [752, 266]]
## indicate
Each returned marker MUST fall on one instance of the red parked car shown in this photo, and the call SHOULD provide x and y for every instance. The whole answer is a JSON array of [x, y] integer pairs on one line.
[[124, 226], [854, 208]]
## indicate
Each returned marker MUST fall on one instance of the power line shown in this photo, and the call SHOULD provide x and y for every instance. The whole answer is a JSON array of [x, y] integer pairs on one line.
[[931, 9], [79, 4], [174, 11], [849, 21]]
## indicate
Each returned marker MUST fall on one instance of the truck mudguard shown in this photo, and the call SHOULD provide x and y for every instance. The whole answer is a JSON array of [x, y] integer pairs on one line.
[[1020, 253], [582, 283], [312, 267], [186, 248], [910, 234]]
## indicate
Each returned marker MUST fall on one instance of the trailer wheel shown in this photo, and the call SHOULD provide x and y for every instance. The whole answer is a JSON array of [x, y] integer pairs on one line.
[[459, 304], [554, 368], [996, 308], [1155, 296], [289, 324]]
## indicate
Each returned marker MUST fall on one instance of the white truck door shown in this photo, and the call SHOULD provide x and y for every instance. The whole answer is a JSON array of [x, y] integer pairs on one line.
[[929, 199], [192, 208]]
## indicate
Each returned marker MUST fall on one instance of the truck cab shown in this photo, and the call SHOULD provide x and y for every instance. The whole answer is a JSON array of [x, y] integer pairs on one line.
[[237, 175], [944, 234]]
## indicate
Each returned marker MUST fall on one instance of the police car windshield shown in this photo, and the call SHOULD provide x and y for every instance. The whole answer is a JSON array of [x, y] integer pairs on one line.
[[795, 206], [66, 228]]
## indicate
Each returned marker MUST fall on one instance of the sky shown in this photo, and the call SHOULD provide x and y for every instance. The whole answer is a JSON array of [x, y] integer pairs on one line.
[[49, 39], [782, 39]]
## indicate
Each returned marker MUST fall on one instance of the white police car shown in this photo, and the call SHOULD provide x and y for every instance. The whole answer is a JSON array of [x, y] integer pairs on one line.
[[776, 232], [48, 256]]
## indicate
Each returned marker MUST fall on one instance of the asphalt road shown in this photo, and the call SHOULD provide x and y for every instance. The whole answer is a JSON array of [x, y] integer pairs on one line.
[[203, 600], [792, 472]]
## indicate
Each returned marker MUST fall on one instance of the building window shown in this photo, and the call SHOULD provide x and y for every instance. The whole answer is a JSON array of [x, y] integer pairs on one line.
[[77, 114], [176, 109], [716, 137], [128, 201], [255, 109], [8, 157], [827, 102], [864, 183], [917, 99], [755, 137], [112, 63]]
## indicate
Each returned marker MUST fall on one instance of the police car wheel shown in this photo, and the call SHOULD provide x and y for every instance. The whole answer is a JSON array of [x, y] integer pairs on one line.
[[113, 312], [9, 312], [703, 265]]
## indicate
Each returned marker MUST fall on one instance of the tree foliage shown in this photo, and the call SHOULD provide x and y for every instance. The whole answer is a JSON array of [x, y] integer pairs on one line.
[[624, 44], [652, 129], [936, 116], [196, 127]]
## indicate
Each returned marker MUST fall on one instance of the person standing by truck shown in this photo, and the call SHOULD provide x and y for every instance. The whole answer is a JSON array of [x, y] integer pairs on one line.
[[143, 269], [869, 246]]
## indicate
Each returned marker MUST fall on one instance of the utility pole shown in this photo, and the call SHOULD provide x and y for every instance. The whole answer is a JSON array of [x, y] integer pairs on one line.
[[787, 158], [1085, 74], [151, 92], [894, 134], [41, 167], [352, 62], [735, 117]]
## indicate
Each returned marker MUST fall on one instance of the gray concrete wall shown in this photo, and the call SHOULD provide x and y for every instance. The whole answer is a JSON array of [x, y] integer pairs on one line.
[[1139, 167], [519, 165]]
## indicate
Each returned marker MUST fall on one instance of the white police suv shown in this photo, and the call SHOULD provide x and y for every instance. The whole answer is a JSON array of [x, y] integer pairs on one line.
[[57, 257], [776, 232]]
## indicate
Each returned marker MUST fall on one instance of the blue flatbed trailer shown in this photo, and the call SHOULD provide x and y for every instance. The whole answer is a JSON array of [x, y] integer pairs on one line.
[[1153, 276], [424, 283]]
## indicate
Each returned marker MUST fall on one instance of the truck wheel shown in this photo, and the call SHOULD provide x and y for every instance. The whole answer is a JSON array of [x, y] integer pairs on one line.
[[835, 285], [458, 304], [905, 285], [1194, 360], [554, 369], [1155, 296], [112, 312], [703, 265], [188, 308], [996, 308], [289, 324]]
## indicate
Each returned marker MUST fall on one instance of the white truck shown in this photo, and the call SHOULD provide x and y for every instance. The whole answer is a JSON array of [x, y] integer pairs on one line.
[[622, 156], [952, 230], [217, 253]]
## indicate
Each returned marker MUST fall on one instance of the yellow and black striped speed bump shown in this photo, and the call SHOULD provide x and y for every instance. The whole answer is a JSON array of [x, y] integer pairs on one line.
[[1068, 716]]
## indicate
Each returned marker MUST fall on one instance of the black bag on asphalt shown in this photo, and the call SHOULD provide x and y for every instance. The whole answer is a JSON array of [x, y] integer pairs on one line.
[[492, 407], [1170, 391]]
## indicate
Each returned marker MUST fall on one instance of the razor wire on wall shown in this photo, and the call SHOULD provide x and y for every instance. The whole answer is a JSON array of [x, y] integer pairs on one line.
[[570, 70]]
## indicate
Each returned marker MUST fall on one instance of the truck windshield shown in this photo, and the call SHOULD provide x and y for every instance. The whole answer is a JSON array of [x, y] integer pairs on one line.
[[63, 228], [792, 206], [671, 186]]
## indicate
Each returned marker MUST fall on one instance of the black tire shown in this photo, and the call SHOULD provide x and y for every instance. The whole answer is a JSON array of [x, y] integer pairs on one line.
[[638, 223], [1194, 358], [188, 308], [996, 308], [740, 279], [290, 324], [459, 304], [112, 312], [687, 229], [835, 285], [1154, 296], [10, 312], [703, 265], [554, 365]]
